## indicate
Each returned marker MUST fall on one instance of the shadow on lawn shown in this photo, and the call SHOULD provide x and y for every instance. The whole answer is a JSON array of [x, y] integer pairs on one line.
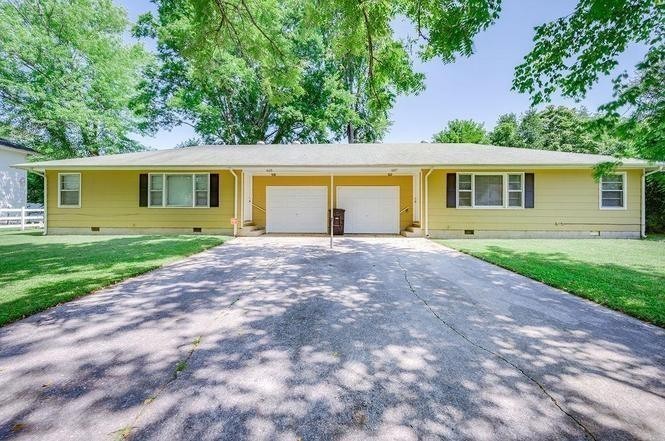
[[295, 341], [637, 291], [75, 269]]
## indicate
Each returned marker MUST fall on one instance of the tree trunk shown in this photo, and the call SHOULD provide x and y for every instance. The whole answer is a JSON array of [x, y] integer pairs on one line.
[[350, 133]]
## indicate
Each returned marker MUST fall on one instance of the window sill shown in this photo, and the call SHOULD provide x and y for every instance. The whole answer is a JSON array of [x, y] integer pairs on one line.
[[490, 208], [167, 207]]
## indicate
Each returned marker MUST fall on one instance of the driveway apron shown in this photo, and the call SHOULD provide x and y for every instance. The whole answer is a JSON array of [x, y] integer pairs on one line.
[[283, 338]]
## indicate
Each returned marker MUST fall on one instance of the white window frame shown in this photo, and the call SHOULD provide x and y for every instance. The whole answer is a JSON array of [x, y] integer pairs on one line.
[[508, 190], [505, 190], [624, 192], [60, 204], [165, 185]]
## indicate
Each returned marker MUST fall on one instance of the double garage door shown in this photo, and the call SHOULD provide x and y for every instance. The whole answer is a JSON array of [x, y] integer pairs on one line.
[[298, 209]]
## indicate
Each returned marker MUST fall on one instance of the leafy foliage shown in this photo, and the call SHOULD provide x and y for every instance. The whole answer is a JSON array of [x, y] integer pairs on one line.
[[240, 71], [506, 131], [35, 187], [572, 52], [67, 77], [462, 131], [556, 128], [645, 97], [655, 206]]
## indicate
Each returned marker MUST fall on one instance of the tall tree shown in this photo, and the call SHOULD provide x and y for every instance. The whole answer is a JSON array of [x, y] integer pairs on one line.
[[572, 52], [248, 70], [242, 74], [67, 77], [530, 130], [556, 128], [462, 131], [505, 132]]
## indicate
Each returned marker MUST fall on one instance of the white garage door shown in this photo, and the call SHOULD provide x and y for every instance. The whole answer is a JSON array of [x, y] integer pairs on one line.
[[369, 209], [296, 209]]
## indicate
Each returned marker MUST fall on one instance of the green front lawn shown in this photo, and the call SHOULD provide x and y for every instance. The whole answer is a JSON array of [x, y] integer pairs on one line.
[[37, 271], [626, 275]]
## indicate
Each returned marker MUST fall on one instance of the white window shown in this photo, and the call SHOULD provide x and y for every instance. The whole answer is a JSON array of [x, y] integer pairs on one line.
[[156, 190], [464, 190], [490, 190], [69, 190], [613, 191], [515, 191], [179, 190]]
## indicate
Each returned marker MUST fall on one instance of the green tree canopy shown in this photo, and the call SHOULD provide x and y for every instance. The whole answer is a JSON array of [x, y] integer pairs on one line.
[[571, 53], [240, 71], [67, 77], [462, 131], [556, 128], [505, 132]]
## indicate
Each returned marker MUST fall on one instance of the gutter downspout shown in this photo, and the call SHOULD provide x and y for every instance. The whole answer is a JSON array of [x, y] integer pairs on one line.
[[427, 202], [643, 220], [235, 202], [242, 198], [43, 175], [332, 217]]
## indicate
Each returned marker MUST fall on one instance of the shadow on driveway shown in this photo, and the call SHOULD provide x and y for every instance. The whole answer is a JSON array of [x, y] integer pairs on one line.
[[390, 338]]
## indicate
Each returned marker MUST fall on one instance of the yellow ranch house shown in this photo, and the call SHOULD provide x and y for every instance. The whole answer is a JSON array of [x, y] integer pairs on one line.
[[413, 189]]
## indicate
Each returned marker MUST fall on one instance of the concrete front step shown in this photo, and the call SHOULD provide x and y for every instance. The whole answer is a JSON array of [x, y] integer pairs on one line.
[[250, 228], [254, 232], [413, 231]]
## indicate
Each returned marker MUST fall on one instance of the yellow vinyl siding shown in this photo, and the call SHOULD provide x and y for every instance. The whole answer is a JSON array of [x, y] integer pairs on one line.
[[565, 200], [405, 184], [110, 199]]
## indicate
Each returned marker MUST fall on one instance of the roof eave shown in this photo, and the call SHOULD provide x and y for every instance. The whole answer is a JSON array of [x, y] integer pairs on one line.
[[45, 166]]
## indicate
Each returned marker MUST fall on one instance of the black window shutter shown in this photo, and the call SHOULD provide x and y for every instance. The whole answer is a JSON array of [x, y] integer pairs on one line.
[[451, 190], [143, 190], [529, 190], [214, 189]]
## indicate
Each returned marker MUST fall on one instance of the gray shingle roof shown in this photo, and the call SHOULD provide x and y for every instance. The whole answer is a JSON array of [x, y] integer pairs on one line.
[[337, 155], [15, 146]]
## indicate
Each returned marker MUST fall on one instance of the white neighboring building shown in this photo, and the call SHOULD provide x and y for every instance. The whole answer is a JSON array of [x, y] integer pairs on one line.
[[13, 182]]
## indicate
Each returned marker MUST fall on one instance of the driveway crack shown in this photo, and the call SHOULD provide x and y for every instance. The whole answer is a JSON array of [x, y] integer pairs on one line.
[[493, 353], [125, 433]]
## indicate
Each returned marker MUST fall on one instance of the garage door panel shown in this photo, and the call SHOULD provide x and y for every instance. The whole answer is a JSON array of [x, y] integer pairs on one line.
[[369, 209], [296, 209]]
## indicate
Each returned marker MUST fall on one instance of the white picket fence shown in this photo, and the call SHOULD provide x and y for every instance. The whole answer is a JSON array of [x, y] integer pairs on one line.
[[22, 218]]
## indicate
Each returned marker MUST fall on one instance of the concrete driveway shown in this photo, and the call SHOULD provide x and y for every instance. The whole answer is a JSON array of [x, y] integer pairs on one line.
[[281, 338]]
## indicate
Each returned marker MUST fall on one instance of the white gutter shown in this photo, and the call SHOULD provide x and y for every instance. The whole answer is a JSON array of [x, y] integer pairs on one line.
[[427, 202], [332, 217], [235, 202], [643, 220]]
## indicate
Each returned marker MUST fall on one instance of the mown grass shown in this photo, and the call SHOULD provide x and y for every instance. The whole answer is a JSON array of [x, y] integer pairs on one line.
[[38, 271], [625, 275]]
